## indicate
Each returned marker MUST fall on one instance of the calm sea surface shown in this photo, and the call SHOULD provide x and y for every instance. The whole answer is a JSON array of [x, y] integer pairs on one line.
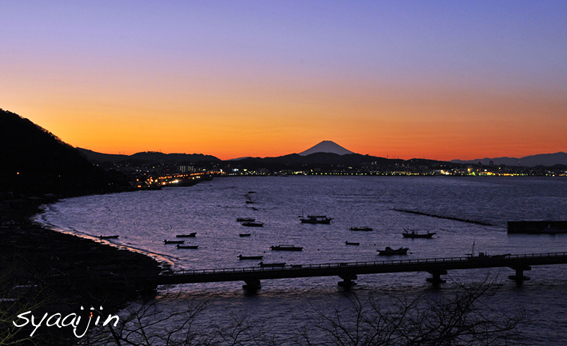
[[144, 219]]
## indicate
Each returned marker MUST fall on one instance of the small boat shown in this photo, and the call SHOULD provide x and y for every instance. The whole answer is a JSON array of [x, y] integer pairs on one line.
[[244, 235], [484, 255], [363, 229], [245, 219], [242, 258], [286, 248], [108, 237], [316, 219], [187, 246], [264, 265], [253, 224], [391, 252], [190, 235], [414, 234], [173, 241], [505, 255], [351, 243]]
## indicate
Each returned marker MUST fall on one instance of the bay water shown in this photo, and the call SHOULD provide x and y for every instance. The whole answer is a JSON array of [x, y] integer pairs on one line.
[[144, 219]]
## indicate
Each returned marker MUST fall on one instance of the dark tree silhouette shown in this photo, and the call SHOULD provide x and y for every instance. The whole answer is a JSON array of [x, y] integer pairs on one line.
[[463, 317]]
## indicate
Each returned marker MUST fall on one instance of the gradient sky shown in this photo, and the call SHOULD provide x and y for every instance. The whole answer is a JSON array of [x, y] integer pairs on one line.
[[430, 79]]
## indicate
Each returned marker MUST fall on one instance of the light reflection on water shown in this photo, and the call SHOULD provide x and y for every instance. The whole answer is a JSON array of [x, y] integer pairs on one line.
[[144, 219]]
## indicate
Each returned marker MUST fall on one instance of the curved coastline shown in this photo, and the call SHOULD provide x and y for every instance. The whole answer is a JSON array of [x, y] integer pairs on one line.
[[164, 259], [66, 271]]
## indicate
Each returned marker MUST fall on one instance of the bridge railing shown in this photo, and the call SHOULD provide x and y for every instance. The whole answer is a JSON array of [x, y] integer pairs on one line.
[[364, 264]]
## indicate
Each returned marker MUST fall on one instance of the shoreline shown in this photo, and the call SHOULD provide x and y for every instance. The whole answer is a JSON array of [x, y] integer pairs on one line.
[[158, 257], [44, 270]]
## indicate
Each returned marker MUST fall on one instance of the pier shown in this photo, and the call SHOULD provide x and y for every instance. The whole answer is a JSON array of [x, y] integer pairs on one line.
[[349, 271]]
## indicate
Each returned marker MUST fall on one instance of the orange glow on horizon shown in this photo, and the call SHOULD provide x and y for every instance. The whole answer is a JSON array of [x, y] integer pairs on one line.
[[442, 126], [266, 79]]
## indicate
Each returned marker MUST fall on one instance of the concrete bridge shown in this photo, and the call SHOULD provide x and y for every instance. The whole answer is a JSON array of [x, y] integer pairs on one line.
[[349, 271]]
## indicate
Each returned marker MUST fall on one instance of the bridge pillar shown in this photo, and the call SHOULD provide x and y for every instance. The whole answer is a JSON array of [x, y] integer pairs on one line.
[[252, 285], [436, 277], [519, 277], [347, 282]]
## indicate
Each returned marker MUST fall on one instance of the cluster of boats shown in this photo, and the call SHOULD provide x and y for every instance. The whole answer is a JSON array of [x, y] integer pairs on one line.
[[180, 243], [312, 219], [249, 200], [274, 248], [309, 219], [388, 251]]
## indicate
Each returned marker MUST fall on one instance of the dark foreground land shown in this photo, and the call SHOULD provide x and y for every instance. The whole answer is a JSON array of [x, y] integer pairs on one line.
[[44, 271]]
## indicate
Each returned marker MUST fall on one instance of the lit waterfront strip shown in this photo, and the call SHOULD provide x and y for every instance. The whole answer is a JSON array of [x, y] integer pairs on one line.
[[431, 265]]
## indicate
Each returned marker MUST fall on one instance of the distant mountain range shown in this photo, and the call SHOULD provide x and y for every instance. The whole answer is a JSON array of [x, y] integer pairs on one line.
[[326, 147], [549, 160], [147, 156], [325, 152], [36, 161]]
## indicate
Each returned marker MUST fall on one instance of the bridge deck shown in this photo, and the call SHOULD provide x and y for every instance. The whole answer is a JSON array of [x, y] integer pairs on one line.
[[349, 270]]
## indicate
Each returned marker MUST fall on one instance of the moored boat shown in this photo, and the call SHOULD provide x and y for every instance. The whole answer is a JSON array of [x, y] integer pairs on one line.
[[108, 237], [173, 241], [484, 255], [323, 219], [351, 243], [253, 224], [244, 235], [363, 229], [245, 219], [190, 235], [391, 252], [187, 246], [286, 248], [242, 258], [414, 234]]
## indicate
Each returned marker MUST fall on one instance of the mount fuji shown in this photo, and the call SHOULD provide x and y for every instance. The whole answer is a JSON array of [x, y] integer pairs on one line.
[[326, 147]]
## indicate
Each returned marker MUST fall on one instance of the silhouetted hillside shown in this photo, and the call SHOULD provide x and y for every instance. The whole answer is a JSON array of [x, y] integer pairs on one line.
[[547, 160], [95, 157], [34, 161], [148, 157], [317, 160]]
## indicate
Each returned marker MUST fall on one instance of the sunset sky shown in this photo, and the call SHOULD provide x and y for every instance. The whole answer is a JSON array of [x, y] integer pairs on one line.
[[430, 79]]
